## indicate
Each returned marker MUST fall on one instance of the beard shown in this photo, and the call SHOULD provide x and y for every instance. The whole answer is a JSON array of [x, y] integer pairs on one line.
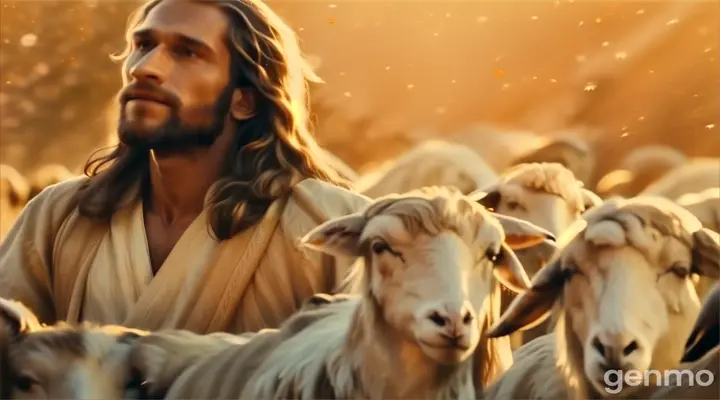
[[174, 135]]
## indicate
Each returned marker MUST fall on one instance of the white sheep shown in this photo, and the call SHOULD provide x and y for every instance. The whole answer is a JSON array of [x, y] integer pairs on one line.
[[638, 169], [14, 194], [621, 286], [572, 152], [432, 261], [64, 362], [694, 176], [432, 163], [702, 355], [545, 194]]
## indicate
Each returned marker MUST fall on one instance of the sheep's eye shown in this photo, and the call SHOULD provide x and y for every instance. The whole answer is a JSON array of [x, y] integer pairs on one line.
[[680, 271], [24, 383], [513, 205], [492, 255], [378, 247]]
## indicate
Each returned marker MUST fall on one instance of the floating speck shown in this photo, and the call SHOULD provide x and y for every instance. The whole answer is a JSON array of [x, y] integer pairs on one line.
[[673, 21], [453, 81], [598, 20], [581, 23], [640, 12], [332, 5], [580, 58], [301, 29], [710, 126], [342, 74], [605, 44], [534, 78], [410, 86], [505, 86], [28, 40], [534, 18], [641, 118], [481, 19], [625, 134], [448, 15], [435, 34], [387, 68], [707, 50], [347, 94], [41, 69], [651, 71], [590, 86], [620, 55], [553, 80]]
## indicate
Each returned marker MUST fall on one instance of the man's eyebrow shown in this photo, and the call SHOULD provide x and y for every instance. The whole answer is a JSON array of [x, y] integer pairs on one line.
[[181, 38]]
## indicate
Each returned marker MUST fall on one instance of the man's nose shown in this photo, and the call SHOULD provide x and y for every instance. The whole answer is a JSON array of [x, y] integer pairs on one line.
[[151, 67]]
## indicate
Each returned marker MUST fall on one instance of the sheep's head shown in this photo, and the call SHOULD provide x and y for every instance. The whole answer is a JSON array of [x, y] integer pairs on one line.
[[545, 194], [46, 176], [64, 362], [624, 284], [570, 152], [430, 257], [13, 187]]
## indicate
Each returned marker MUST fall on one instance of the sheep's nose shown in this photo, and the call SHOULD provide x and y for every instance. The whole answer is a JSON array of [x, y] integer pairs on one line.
[[615, 349], [452, 326]]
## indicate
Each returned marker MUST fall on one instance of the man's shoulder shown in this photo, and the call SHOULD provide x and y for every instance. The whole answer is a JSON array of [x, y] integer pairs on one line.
[[314, 201], [59, 192]]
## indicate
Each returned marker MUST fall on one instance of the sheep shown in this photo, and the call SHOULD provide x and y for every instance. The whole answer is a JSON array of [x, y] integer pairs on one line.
[[702, 353], [694, 176], [615, 267], [85, 362], [432, 163], [190, 364], [640, 167], [415, 328], [14, 194], [340, 166], [545, 194], [497, 145], [572, 152], [48, 175], [706, 207]]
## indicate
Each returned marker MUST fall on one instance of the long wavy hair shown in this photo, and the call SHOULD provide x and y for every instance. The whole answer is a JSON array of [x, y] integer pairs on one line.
[[271, 151]]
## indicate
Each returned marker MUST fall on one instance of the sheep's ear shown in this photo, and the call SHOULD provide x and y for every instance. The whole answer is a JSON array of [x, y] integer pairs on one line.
[[489, 197], [533, 306], [590, 199], [521, 234], [509, 271], [337, 237], [704, 335], [706, 253], [16, 319]]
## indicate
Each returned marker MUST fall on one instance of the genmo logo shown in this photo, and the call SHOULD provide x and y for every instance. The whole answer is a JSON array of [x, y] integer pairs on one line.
[[615, 380]]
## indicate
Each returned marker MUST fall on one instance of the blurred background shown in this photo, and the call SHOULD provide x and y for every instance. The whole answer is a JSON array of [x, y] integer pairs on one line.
[[620, 73]]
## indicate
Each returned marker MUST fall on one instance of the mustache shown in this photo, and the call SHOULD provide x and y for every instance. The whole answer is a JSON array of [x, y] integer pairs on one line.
[[147, 91]]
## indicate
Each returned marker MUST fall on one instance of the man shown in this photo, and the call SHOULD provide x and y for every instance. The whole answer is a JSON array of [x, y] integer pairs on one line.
[[192, 221]]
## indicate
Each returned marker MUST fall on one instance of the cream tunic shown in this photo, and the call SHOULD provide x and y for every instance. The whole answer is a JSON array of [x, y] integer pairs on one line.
[[64, 266]]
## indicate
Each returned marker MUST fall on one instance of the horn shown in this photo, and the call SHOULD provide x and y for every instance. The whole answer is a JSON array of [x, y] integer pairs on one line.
[[705, 335], [510, 272]]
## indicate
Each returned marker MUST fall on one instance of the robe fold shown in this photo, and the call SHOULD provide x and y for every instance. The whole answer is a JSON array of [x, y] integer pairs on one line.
[[67, 267]]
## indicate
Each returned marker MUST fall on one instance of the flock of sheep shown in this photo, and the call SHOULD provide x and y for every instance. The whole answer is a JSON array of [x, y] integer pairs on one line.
[[481, 279]]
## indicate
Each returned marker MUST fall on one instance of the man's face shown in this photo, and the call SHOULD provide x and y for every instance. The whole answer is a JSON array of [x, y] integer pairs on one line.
[[176, 85]]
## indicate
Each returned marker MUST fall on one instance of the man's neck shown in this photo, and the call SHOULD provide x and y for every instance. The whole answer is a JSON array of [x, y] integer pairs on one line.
[[180, 182]]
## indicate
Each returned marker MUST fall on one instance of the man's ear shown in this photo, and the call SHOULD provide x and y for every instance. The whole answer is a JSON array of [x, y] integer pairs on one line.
[[243, 105]]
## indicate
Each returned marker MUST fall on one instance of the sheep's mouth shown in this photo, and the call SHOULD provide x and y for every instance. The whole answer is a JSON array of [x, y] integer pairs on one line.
[[450, 345]]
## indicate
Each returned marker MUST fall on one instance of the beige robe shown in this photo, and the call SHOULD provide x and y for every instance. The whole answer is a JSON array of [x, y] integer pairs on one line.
[[66, 267]]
